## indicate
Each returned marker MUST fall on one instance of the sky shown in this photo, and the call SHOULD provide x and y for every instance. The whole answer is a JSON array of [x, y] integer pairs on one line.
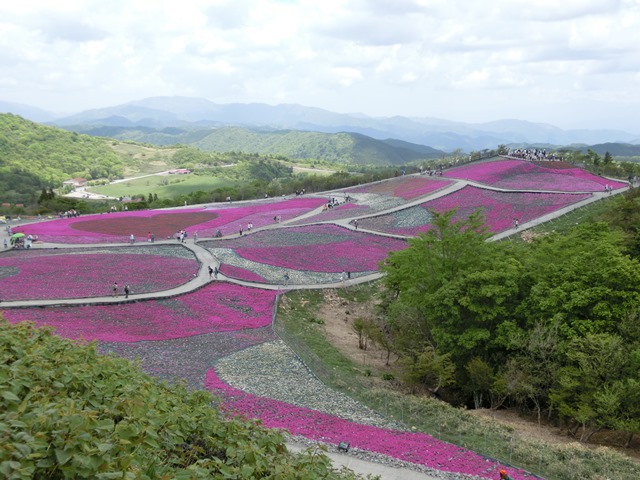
[[569, 63]]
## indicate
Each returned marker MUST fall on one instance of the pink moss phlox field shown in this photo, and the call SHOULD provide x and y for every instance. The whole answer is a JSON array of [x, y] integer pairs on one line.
[[523, 175], [239, 273], [316, 248], [502, 208], [406, 187], [77, 275], [417, 448], [230, 219], [218, 307], [227, 220]]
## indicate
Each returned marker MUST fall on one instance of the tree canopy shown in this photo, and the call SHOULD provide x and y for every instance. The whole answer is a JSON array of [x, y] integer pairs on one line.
[[523, 323]]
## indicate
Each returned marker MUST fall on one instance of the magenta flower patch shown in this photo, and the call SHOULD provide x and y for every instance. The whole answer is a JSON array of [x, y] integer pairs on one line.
[[407, 187], [218, 307], [117, 227], [317, 248], [499, 208], [418, 448], [47, 274], [523, 175]]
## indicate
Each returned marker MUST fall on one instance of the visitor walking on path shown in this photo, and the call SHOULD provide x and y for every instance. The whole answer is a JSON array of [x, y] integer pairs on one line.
[[114, 289], [215, 272], [210, 271], [132, 239], [126, 291]]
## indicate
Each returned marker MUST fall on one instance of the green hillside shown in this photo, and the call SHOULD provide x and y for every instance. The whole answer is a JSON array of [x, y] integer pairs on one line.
[[33, 156], [344, 148]]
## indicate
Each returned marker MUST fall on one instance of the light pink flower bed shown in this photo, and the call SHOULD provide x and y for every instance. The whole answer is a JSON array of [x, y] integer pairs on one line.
[[523, 175], [418, 448], [407, 187], [117, 227], [218, 307], [346, 210]]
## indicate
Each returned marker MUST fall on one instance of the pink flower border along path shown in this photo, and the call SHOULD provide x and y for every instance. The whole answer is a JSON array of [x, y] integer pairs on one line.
[[218, 307], [417, 448], [117, 227], [524, 175], [499, 208]]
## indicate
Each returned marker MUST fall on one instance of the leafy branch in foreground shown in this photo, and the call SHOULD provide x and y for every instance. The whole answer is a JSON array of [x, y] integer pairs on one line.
[[67, 412]]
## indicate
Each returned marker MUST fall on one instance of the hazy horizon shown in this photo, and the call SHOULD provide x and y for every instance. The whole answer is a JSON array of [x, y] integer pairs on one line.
[[573, 64]]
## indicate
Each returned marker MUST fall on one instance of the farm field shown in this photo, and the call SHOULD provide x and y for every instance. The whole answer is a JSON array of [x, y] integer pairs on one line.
[[215, 319], [165, 185]]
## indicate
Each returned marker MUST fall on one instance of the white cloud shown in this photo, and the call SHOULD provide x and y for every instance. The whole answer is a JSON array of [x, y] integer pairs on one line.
[[472, 61]]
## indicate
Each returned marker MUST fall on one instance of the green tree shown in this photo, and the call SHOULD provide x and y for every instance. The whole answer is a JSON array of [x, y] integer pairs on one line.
[[587, 388]]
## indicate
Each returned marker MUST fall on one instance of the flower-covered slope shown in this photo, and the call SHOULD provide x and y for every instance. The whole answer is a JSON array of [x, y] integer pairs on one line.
[[118, 226], [500, 209], [215, 308], [524, 175], [317, 248], [77, 273]]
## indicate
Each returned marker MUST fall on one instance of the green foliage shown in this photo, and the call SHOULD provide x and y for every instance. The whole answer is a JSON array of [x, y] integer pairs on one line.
[[66, 412], [527, 323]]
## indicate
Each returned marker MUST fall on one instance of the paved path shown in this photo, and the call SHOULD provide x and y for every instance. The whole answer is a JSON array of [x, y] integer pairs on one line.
[[365, 467]]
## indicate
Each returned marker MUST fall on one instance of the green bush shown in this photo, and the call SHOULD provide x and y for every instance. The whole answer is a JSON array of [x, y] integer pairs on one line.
[[67, 412]]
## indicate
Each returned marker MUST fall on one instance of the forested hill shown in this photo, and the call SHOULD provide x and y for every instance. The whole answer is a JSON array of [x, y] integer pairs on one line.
[[33, 156], [343, 147]]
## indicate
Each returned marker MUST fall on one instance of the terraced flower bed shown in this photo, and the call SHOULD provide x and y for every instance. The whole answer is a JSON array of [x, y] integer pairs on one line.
[[523, 175], [117, 227], [406, 187], [316, 248], [77, 273], [412, 447], [500, 209], [217, 307]]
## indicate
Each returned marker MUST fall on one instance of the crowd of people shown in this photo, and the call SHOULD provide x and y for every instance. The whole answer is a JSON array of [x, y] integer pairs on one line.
[[533, 154]]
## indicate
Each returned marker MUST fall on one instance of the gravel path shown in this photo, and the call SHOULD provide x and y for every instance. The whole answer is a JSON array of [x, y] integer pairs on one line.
[[273, 371]]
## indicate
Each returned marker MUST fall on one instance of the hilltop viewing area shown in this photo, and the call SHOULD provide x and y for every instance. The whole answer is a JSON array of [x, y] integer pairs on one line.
[[205, 295]]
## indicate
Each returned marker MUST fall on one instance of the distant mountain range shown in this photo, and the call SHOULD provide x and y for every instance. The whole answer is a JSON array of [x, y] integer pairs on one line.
[[196, 115]]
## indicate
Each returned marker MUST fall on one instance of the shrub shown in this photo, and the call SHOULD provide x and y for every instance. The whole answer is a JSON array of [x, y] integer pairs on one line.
[[66, 412]]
